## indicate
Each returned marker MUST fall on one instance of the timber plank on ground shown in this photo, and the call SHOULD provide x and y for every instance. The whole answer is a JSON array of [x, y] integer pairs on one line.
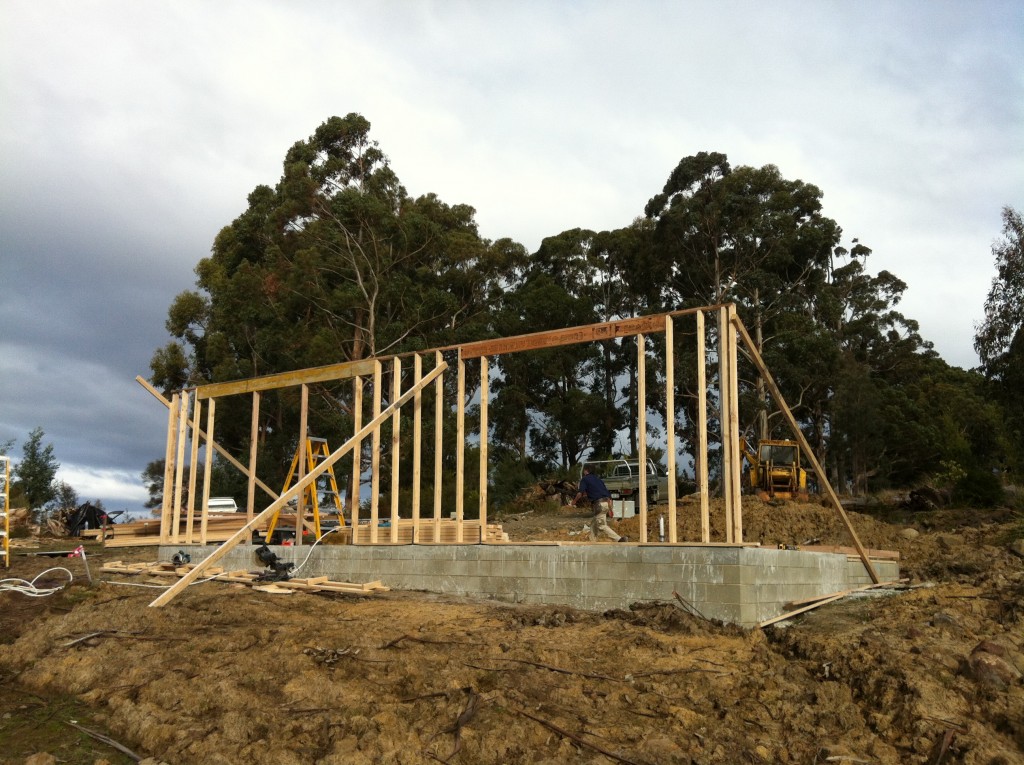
[[309, 584]]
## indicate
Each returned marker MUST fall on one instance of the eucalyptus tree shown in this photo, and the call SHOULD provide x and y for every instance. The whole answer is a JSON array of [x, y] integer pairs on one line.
[[336, 262]]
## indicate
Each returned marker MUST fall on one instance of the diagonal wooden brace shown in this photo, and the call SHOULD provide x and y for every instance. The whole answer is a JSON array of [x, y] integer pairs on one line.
[[762, 368], [244, 532]]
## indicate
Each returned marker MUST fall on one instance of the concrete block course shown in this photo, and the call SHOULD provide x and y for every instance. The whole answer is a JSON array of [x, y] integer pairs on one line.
[[739, 584]]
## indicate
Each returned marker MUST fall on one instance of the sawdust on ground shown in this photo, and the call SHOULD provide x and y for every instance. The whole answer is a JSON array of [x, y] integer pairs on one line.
[[228, 675]]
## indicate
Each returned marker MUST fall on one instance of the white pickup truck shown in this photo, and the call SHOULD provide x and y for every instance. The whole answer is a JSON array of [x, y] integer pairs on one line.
[[622, 477]]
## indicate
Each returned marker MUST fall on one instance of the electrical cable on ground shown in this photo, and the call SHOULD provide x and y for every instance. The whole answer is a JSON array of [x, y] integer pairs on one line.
[[29, 589]]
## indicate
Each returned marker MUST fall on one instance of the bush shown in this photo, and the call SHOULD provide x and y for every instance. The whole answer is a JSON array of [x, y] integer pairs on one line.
[[979, 488]]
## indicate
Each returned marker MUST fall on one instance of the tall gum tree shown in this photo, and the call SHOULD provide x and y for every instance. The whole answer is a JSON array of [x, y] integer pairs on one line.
[[337, 262]]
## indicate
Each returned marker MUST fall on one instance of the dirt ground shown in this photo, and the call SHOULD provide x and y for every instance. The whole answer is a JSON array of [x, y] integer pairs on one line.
[[930, 674]]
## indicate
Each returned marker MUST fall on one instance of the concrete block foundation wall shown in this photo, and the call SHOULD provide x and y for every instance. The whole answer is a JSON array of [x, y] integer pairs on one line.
[[741, 585]]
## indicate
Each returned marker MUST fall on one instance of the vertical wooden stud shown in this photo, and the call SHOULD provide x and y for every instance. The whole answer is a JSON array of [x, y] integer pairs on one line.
[[484, 393], [438, 445], [701, 458], [417, 447], [211, 408], [724, 409], [300, 467], [166, 508], [670, 425], [460, 445], [396, 423], [254, 433], [641, 425], [192, 470], [179, 467], [357, 451], [734, 428], [375, 456]]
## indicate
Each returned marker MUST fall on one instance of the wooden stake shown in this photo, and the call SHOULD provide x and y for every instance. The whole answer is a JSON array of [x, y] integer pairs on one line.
[[755, 356], [670, 426], [244, 532], [701, 460]]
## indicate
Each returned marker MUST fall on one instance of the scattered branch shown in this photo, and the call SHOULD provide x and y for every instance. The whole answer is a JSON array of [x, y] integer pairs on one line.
[[107, 740], [577, 739]]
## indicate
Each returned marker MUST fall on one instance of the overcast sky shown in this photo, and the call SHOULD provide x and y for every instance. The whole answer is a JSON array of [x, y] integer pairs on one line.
[[131, 132]]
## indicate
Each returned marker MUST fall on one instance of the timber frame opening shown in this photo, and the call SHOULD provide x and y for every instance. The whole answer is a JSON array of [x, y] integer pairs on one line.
[[187, 407]]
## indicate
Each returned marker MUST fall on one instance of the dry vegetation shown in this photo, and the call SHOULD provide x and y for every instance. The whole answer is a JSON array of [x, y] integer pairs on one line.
[[228, 675]]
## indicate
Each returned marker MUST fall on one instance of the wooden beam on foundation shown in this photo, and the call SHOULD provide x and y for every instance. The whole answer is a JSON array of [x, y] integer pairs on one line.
[[244, 533], [794, 426]]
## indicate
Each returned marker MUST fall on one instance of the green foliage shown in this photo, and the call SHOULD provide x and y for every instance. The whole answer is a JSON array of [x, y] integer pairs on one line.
[[65, 498], [36, 471], [979, 488]]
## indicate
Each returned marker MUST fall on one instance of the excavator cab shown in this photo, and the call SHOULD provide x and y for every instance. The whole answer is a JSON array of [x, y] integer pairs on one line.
[[775, 471]]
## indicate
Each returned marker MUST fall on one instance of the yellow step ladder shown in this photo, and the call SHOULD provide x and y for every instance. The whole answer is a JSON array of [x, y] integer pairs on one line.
[[5, 509], [326, 486]]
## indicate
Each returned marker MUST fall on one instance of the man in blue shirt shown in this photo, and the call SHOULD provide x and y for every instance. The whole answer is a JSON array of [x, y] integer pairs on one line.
[[593, 488]]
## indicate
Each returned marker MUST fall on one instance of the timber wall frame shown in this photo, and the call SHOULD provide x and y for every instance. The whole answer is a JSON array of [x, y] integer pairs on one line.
[[186, 408]]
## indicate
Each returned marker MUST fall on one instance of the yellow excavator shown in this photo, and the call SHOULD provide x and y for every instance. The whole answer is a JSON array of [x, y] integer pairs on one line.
[[775, 471]]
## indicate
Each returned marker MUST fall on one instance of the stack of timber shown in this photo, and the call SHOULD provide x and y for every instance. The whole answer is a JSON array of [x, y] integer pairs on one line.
[[219, 528], [251, 578], [447, 533]]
